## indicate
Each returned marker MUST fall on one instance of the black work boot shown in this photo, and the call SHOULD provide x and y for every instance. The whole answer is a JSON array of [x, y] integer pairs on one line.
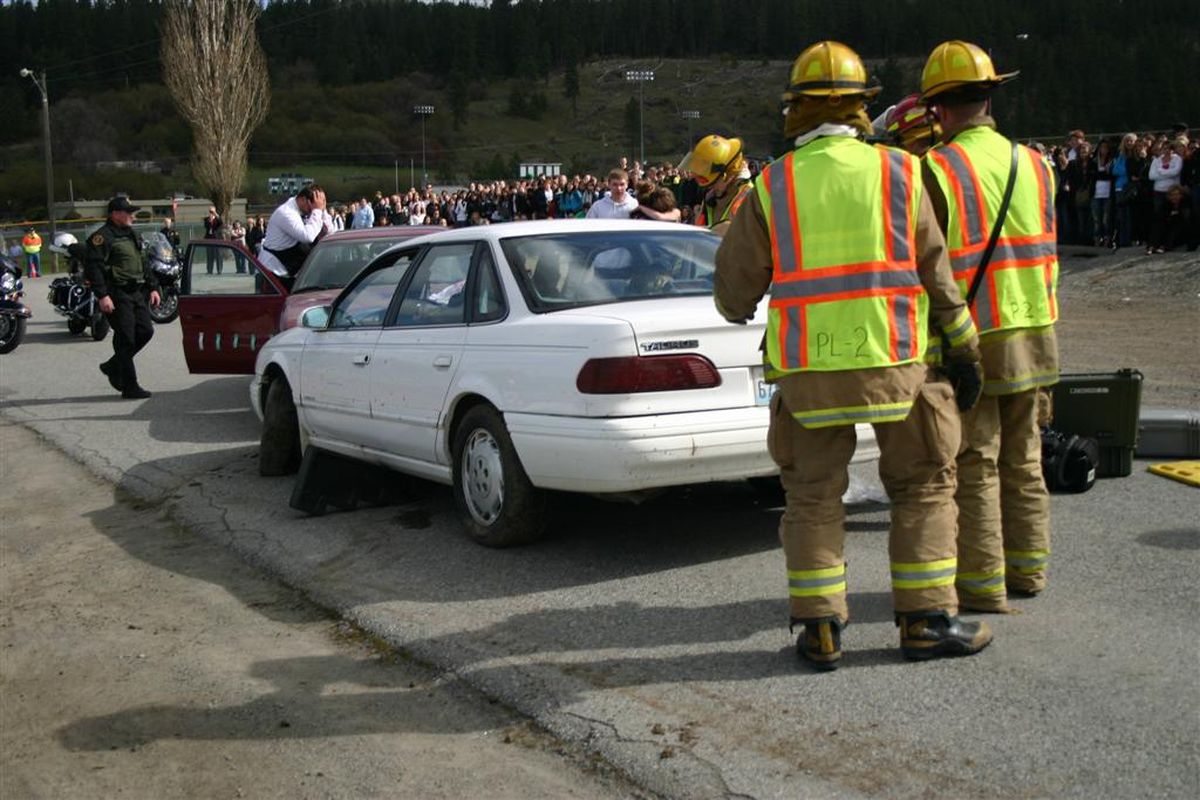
[[820, 643], [109, 368], [135, 392], [936, 634]]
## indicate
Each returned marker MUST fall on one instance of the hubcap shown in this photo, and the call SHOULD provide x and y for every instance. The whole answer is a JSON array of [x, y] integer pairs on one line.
[[166, 305], [483, 477]]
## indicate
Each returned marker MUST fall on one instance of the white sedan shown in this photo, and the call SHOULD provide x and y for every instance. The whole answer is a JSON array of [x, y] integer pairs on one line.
[[504, 360]]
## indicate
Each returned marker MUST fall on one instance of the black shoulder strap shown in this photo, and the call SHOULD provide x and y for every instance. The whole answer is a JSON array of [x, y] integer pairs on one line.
[[1000, 215]]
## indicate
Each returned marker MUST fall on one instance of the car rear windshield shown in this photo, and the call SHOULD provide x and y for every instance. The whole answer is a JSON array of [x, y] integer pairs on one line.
[[331, 265], [570, 270]]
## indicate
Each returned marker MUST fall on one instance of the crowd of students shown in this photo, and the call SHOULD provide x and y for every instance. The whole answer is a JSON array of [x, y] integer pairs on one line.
[[1138, 190]]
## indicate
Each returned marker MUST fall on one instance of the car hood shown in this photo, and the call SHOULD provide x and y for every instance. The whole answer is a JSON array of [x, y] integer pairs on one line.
[[686, 325]]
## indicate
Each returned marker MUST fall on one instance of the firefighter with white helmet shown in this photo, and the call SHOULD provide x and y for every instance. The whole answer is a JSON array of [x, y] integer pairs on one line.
[[1004, 509], [842, 235], [719, 166]]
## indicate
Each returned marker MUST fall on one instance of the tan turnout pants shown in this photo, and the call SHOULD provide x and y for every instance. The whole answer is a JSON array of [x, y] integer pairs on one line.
[[917, 468], [1003, 505]]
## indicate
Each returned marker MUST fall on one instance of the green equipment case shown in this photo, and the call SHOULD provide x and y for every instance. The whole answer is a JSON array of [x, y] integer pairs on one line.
[[1104, 406]]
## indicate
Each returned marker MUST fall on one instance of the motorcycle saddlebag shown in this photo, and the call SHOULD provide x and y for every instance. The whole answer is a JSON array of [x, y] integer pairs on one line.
[[60, 292], [1069, 462]]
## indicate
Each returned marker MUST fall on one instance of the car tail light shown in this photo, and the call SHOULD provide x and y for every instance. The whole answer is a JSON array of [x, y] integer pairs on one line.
[[646, 374]]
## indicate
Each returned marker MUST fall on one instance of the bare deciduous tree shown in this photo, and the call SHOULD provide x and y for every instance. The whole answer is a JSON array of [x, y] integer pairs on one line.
[[217, 74]]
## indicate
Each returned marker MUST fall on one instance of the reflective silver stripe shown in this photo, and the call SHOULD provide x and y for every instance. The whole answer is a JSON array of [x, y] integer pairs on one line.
[[791, 343], [778, 179], [1026, 562], [1005, 251], [906, 347], [954, 333], [971, 224], [864, 415], [814, 288], [813, 583], [898, 205], [948, 572], [980, 585], [988, 316]]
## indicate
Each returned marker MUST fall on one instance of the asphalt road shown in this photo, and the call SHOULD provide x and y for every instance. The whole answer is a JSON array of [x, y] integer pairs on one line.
[[656, 635]]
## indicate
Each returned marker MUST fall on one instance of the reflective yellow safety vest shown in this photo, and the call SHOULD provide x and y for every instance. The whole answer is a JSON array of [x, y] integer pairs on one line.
[[845, 293], [1021, 279], [31, 243], [702, 219]]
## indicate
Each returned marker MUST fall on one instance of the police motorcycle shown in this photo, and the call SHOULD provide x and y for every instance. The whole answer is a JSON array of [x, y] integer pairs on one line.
[[13, 313], [164, 262], [72, 296]]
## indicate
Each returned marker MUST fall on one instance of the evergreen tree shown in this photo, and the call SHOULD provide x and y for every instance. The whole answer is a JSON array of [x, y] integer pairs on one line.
[[571, 85]]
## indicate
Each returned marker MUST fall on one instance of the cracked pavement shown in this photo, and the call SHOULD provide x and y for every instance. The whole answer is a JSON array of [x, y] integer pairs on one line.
[[656, 635]]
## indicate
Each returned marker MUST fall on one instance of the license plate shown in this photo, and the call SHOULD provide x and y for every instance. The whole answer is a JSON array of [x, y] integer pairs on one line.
[[762, 389]]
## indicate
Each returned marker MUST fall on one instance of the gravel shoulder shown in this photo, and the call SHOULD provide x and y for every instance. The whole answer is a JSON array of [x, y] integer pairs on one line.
[[186, 673], [1126, 309]]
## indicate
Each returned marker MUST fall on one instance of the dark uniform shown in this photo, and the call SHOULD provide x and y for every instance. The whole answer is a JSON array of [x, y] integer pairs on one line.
[[116, 269]]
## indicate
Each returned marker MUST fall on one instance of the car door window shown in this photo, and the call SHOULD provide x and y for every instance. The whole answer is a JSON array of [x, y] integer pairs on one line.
[[366, 304], [224, 270], [436, 293], [488, 304]]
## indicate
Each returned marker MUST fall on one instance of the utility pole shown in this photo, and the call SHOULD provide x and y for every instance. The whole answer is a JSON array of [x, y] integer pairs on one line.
[[41, 85], [689, 115], [424, 111], [641, 76]]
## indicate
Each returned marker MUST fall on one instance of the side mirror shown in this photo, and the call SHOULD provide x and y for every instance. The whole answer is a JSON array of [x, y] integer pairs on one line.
[[316, 317]]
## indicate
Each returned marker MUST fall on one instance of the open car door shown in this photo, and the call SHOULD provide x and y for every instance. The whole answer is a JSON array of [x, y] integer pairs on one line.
[[229, 307]]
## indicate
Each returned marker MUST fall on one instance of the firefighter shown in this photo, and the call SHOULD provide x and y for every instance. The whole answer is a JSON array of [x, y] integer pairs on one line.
[[720, 169], [910, 126], [842, 235], [1004, 509]]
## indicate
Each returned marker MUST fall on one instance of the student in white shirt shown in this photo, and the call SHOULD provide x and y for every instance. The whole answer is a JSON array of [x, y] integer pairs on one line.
[[619, 204]]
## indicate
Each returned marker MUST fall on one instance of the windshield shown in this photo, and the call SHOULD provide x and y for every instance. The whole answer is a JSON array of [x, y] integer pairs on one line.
[[331, 265], [569, 270]]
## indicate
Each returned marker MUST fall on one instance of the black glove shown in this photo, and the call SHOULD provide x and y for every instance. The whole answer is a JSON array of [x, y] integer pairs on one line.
[[967, 379]]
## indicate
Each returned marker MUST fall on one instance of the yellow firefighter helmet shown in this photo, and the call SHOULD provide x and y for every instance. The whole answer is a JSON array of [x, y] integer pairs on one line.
[[956, 64], [828, 69], [714, 157]]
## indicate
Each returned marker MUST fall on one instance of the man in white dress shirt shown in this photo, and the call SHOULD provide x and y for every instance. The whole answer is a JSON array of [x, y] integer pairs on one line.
[[619, 204], [294, 228]]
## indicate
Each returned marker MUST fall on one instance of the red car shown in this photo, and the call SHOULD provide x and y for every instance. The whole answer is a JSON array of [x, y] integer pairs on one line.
[[230, 304]]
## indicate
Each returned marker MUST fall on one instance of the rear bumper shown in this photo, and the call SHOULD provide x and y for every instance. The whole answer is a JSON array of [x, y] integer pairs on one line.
[[623, 454]]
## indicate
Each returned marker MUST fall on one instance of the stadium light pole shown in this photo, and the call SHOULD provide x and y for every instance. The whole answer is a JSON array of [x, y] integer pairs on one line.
[[641, 76], [41, 85], [424, 112], [689, 115]]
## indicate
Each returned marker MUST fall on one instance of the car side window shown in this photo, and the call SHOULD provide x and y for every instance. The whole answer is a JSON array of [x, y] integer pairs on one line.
[[488, 304], [437, 290], [366, 305], [220, 269]]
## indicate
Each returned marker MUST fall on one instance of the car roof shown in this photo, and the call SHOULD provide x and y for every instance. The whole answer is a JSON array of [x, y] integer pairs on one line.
[[511, 230], [383, 232]]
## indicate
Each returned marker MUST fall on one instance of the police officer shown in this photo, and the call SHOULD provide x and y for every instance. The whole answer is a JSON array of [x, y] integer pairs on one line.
[[843, 236], [119, 277], [1004, 509]]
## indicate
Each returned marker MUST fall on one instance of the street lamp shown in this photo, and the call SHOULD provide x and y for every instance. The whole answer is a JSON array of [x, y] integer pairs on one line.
[[641, 76], [424, 111], [41, 85], [689, 115]]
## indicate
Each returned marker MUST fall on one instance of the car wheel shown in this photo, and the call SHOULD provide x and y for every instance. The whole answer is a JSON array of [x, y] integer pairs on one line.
[[100, 328], [496, 502], [279, 448], [769, 490], [76, 326]]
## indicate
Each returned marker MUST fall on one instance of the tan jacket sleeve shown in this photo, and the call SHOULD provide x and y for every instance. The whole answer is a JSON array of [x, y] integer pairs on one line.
[[947, 310], [744, 266]]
